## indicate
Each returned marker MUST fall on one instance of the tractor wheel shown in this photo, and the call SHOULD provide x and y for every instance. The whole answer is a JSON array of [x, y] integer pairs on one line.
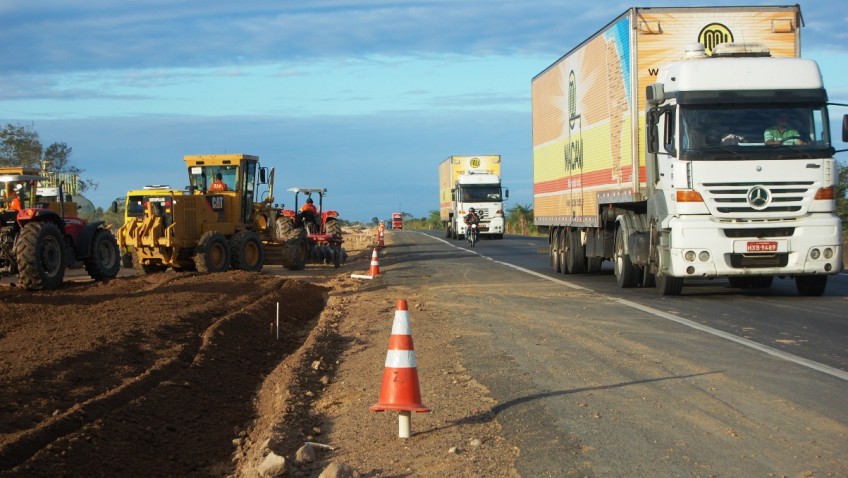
[[212, 253], [104, 261], [337, 255], [333, 227], [284, 228], [247, 252], [299, 256], [40, 254]]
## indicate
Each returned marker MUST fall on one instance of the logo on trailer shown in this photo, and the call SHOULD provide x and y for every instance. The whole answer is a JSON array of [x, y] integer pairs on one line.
[[759, 197], [714, 34], [573, 149], [572, 99], [475, 163]]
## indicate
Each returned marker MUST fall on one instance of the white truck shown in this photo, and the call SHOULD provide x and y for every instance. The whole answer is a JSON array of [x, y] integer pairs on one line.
[[471, 182], [656, 146]]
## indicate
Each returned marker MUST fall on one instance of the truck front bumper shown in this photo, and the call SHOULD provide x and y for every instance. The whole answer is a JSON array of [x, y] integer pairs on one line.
[[702, 247]]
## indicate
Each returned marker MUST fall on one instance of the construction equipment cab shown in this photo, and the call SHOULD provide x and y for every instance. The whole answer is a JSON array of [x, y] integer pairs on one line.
[[231, 196]]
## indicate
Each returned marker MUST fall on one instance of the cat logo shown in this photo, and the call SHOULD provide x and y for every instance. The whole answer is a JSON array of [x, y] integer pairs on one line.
[[475, 163], [714, 34]]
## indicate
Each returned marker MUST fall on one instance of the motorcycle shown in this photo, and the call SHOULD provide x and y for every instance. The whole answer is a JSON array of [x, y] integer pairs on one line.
[[473, 234]]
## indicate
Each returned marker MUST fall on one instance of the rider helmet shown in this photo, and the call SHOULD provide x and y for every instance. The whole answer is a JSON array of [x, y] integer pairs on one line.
[[471, 209]]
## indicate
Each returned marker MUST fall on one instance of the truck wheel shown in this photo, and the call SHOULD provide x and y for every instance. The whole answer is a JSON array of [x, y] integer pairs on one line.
[[562, 251], [40, 254], [212, 253], [576, 258], [625, 273], [811, 286], [667, 285], [554, 253], [104, 261], [247, 251], [447, 232]]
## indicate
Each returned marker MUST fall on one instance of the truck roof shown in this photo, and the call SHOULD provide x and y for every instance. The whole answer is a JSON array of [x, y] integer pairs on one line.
[[730, 74]]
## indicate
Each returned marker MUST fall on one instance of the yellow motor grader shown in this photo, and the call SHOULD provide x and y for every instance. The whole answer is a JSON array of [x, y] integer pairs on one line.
[[218, 223]]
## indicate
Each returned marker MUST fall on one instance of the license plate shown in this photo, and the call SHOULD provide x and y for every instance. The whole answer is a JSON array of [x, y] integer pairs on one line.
[[761, 246]]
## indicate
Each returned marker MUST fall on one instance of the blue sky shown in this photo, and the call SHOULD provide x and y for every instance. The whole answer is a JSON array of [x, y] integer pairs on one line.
[[362, 97]]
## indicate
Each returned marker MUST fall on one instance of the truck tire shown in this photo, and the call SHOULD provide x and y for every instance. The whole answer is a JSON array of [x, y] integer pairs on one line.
[[104, 261], [667, 285], [212, 253], [625, 273], [247, 252], [811, 286], [40, 254], [576, 257], [554, 251]]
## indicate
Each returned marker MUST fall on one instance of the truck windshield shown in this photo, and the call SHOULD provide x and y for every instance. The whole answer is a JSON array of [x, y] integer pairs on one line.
[[795, 130], [481, 193]]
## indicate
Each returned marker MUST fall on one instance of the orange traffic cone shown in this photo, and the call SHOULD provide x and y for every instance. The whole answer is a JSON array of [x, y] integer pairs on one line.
[[400, 390], [380, 242], [375, 264]]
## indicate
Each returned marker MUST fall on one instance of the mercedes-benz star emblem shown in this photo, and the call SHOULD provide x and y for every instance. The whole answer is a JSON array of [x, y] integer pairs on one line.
[[759, 197]]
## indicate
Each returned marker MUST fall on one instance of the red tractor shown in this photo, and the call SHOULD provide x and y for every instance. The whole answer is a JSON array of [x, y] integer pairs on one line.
[[40, 234], [323, 228]]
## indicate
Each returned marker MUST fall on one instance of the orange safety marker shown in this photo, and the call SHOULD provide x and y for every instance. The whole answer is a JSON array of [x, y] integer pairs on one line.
[[400, 390], [375, 264], [380, 242]]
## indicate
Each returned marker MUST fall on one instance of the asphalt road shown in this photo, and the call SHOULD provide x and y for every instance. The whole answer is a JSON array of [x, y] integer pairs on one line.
[[592, 380]]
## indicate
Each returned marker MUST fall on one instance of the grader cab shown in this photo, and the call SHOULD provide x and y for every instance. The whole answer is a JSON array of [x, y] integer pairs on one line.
[[214, 228]]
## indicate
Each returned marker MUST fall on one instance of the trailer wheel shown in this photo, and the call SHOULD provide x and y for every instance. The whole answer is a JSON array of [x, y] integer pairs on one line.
[[562, 252], [811, 286], [212, 253], [247, 251], [625, 273], [576, 257], [40, 254], [104, 261], [554, 251]]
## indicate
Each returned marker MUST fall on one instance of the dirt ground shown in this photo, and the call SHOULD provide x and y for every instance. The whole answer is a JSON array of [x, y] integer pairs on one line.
[[186, 374]]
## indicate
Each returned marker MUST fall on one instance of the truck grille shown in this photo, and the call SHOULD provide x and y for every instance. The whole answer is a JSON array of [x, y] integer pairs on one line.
[[743, 200]]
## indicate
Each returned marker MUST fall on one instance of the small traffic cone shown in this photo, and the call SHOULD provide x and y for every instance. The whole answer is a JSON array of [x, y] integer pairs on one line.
[[375, 264], [400, 390], [380, 242]]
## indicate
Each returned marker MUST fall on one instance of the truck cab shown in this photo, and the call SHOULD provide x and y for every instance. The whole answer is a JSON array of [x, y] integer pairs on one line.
[[741, 178]]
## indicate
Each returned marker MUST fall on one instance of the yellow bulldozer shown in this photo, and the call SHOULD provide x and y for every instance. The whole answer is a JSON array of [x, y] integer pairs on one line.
[[218, 223]]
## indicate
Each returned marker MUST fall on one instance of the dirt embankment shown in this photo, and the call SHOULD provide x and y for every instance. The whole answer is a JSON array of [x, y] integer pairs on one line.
[[182, 374]]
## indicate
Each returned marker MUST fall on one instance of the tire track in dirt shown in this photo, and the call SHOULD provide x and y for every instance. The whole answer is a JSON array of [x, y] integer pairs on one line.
[[192, 350]]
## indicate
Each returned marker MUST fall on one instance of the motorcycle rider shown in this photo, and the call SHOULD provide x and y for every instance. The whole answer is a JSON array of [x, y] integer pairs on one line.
[[471, 218]]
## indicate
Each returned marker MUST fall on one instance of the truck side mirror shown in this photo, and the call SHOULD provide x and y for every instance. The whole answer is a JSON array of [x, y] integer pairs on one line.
[[263, 175], [845, 128], [506, 193], [114, 207]]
